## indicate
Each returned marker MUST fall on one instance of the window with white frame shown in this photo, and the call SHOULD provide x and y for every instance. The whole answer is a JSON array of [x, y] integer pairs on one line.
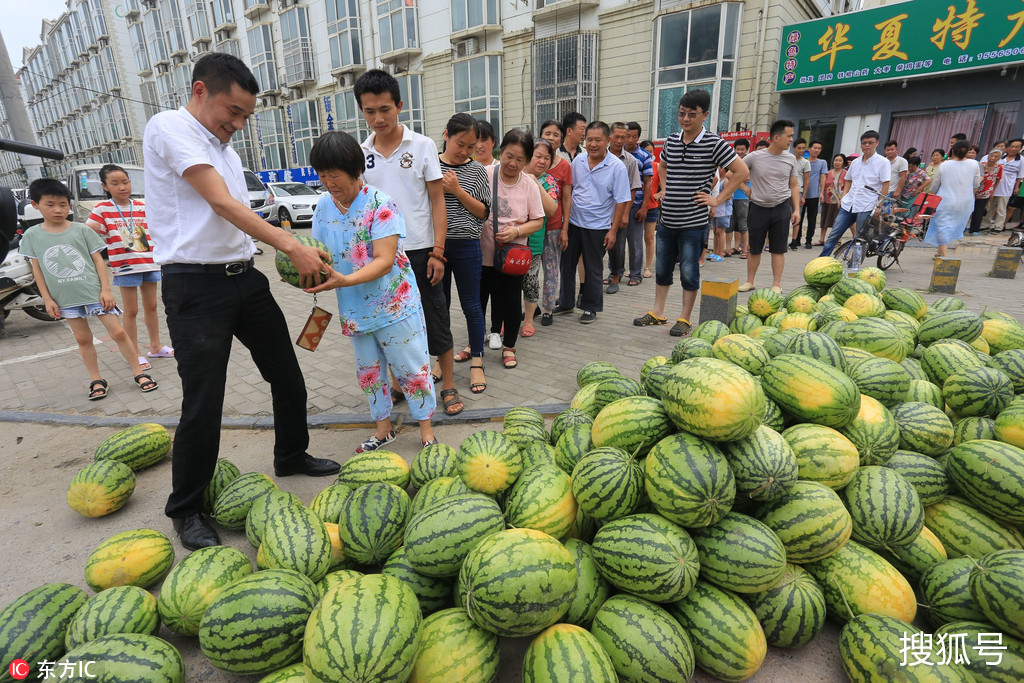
[[75, 24], [478, 88], [411, 88], [198, 19], [223, 13], [242, 143], [110, 67], [88, 30], [151, 104], [396, 21], [182, 78], [471, 13], [230, 46], [138, 39], [343, 33], [165, 91], [261, 56], [156, 40], [305, 128], [174, 26], [273, 137], [695, 49], [565, 76], [99, 22], [297, 47], [346, 115]]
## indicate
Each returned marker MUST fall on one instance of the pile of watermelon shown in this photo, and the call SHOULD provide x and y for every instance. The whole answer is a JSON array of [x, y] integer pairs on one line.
[[845, 451]]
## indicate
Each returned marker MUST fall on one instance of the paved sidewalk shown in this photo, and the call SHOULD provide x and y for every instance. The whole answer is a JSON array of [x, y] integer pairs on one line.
[[42, 378]]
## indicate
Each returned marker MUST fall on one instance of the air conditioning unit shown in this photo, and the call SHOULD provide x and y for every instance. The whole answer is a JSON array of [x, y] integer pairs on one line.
[[295, 93], [467, 47], [222, 35], [268, 101], [149, 4], [179, 58], [162, 67], [288, 3], [346, 80], [202, 46]]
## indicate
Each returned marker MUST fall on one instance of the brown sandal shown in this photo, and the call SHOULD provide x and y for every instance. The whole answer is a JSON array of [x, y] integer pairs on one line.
[[509, 361], [450, 397], [477, 387], [463, 355]]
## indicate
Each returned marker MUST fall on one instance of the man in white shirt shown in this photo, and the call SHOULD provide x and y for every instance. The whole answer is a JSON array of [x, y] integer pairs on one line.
[[803, 181], [1009, 185], [202, 226], [575, 125], [630, 230], [899, 168], [869, 176]]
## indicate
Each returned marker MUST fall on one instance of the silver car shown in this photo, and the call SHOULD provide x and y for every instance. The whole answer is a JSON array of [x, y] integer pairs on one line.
[[292, 202]]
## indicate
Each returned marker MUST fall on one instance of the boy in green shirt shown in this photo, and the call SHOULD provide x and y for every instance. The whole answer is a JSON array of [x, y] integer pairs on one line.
[[73, 279]]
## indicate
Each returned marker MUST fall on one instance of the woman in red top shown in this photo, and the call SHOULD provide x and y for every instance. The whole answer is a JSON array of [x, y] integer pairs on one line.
[[991, 174], [561, 172], [651, 222], [121, 221]]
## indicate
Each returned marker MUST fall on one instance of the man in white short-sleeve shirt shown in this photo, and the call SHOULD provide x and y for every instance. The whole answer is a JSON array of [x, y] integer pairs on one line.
[[404, 164], [201, 223], [869, 176]]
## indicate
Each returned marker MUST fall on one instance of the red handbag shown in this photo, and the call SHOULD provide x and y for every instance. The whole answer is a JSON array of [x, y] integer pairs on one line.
[[509, 258]]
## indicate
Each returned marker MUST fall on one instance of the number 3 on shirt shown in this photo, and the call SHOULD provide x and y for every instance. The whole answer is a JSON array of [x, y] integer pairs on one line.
[[369, 161]]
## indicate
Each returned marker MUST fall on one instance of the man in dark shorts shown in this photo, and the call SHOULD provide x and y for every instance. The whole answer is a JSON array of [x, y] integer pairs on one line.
[[774, 202]]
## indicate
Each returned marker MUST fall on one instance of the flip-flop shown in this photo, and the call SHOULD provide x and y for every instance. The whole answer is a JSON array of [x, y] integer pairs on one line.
[[528, 331], [647, 273], [164, 352], [144, 364], [510, 360]]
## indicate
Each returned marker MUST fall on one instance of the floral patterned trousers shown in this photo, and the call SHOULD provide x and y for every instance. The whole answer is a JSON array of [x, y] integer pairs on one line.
[[403, 346], [552, 260]]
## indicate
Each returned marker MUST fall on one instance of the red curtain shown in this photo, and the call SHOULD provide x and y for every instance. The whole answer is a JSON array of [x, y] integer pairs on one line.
[[933, 131]]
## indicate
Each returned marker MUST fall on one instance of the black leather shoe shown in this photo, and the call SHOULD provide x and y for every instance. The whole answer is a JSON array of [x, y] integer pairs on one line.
[[195, 532], [308, 465]]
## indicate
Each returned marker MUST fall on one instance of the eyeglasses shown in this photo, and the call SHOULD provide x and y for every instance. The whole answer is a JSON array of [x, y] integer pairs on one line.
[[686, 114]]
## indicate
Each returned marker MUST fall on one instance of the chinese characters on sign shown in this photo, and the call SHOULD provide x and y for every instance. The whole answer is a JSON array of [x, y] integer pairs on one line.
[[912, 38], [924, 649]]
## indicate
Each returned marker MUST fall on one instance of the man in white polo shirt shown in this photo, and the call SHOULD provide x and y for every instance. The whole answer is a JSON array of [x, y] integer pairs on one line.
[[202, 226], [404, 164], [870, 175]]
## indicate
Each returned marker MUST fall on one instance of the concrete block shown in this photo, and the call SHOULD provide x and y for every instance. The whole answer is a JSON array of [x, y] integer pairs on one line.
[[944, 274], [718, 299], [1005, 265]]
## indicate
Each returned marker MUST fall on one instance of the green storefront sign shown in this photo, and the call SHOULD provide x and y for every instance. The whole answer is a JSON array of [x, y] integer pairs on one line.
[[904, 40]]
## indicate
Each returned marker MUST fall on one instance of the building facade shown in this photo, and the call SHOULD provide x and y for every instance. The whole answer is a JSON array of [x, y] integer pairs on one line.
[[515, 63]]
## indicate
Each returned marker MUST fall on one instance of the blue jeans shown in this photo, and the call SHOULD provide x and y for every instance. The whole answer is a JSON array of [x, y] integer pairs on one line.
[[843, 222], [682, 245], [465, 263]]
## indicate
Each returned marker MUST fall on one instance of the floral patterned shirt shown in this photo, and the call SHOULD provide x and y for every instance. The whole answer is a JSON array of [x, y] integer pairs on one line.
[[989, 182], [912, 185], [349, 238]]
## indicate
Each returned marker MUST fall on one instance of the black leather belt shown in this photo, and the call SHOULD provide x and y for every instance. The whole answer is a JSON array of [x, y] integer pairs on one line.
[[228, 269]]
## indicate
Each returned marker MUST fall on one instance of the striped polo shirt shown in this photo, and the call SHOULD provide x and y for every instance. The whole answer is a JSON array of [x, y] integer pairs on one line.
[[691, 169]]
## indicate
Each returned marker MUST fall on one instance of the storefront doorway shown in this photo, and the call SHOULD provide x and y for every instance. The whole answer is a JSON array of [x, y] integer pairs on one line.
[[929, 130], [819, 129]]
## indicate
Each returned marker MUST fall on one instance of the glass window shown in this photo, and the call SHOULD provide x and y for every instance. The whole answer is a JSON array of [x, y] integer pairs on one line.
[[305, 127], [343, 33], [271, 129], [155, 39], [704, 29], [565, 72], [411, 88], [100, 23], [261, 54], [149, 97], [198, 20], [297, 48], [88, 30], [242, 143], [397, 24], [229, 46], [138, 39], [471, 13], [673, 51], [174, 27], [222, 13], [478, 88], [347, 117]]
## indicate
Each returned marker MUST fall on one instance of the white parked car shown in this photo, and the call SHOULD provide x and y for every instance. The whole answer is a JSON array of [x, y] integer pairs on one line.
[[257, 194], [292, 202]]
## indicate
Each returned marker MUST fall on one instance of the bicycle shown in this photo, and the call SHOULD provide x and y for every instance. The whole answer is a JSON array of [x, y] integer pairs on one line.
[[885, 234]]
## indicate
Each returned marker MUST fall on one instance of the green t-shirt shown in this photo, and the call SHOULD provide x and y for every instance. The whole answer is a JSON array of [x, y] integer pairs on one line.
[[65, 258]]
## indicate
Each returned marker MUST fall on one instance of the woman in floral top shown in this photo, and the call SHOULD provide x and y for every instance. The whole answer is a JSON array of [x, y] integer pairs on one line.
[[378, 302], [991, 174], [917, 180], [545, 241]]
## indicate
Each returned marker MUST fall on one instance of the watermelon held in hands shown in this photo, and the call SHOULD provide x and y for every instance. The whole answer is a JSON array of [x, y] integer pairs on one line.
[[287, 270]]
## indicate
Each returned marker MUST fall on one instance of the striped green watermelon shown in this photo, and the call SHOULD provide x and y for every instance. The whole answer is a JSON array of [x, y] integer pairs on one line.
[[983, 349], [810, 520], [865, 305], [435, 490], [523, 415], [656, 380], [740, 554], [35, 625], [990, 474], [1009, 425], [1002, 334], [689, 480], [374, 467], [328, 503], [773, 416], [874, 276], [337, 556], [743, 323], [488, 462], [885, 509], [693, 347], [776, 344], [995, 585], [193, 584], [853, 355], [633, 424], [100, 488], [138, 446], [565, 419], [811, 390], [432, 592], [1010, 363], [255, 625], [645, 643], [537, 454], [881, 378], [962, 325], [223, 474], [945, 358], [802, 291], [914, 367], [925, 474], [287, 270], [435, 460], [542, 499], [823, 454], [372, 522], [613, 389], [126, 657], [944, 304], [797, 321], [978, 392], [565, 652], [818, 346], [650, 364], [140, 557], [574, 443], [970, 428], [765, 301], [873, 432], [763, 464], [742, 350], [648, 556], [856, 580], [873, 648], [913, 559], [966, 531], [592, 589], [293, 673], [294, 538], [923, 391], [728, 642], [524, 433], [986, 663], [122, 609], [713, 399], [876, 336], [792, 611], [236, 498], [263, 507], [923, 428], [945, 592], [584, 399], [823, 272], [453, 648], [335, 579], [849, 286], [802, 303], [382, 648], [517, 582], [905, 300], [907, 323], [596, 371], [607, 483]]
